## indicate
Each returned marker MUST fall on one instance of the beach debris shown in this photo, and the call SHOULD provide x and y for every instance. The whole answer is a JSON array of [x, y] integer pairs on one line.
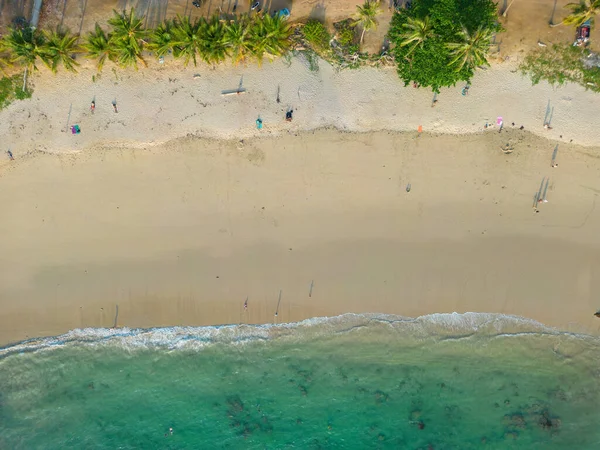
[[508, 148], [278, 91], [420, 129], [408, 186], [542, 44], [240, 89], [597, 314], [196, 76], [312, 284]]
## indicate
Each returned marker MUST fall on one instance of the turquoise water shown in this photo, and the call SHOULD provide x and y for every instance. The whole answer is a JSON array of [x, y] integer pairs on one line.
[[351, 382]]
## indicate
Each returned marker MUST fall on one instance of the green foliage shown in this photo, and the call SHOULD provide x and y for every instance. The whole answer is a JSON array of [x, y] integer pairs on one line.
[[213, 47], [441, 42], [270, 37], [59, 49], [161, 38], [97, 47], [316, 34], [25, 46], [366, 16], [581, 12], [11, 89], [560, 64], [127, 38], [237, 39]]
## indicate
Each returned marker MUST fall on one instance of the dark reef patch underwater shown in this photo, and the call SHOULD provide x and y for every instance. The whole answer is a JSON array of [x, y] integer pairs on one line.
[[445, 381]]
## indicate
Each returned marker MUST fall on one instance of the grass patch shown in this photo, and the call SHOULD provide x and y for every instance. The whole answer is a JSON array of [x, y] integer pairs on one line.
[[563, 63], [11, 88]]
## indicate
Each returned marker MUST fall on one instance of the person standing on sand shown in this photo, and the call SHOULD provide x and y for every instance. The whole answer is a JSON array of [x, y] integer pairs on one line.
[[10, 155], [93, 106], [114, 103]]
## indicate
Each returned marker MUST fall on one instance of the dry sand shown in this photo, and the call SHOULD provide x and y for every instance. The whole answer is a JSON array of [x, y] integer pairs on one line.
[[180, 230], [183, 233]]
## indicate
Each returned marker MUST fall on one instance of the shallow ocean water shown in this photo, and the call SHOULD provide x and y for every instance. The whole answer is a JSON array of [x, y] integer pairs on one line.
[[352, 382]]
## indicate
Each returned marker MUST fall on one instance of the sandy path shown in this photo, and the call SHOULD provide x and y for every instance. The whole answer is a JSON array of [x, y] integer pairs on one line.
[[160, 105], [183, 234]]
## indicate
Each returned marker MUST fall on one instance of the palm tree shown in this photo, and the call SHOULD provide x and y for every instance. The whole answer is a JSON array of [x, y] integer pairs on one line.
[[237, 38], [581, 12], [161, 39], [416, 32], [24, 46], [270, 36], [97, 47], [213, 48], [59, 49], [128, 38], [473, 48], [186, 39], [366, 16]]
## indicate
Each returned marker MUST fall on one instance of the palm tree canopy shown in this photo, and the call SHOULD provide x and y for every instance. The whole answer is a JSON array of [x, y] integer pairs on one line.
[[97, 47], [127, 38], [213, 48], [581, 12], [161, 39], [366, 16], [415, 33], [59, 49], [237, 39], [270, 36], [25, 46], [473, 48], [186, 39]]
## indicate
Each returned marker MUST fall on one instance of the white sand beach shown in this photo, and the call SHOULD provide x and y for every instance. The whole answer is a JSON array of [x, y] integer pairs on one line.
[[177, 209]]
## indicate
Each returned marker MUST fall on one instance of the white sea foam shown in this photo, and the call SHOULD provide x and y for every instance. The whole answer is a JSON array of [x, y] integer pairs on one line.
[[434, 326]]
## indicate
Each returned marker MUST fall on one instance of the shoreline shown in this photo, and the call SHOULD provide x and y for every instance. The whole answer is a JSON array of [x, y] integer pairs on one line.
[[182, 234]]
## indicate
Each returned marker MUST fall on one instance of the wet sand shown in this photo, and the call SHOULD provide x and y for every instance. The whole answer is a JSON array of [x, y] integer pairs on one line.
[[184, 233]]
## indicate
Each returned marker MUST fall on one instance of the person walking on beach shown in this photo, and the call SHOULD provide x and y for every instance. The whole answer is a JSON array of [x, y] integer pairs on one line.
[[10, 155], [93, 106], [114, 103]]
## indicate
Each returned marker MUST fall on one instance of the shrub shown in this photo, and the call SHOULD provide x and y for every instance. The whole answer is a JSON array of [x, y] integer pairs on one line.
[[11, 89], [560, 64], [316, 34], [440, 42]]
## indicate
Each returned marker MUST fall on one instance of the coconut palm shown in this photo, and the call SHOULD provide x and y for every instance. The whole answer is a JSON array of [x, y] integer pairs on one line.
[[186, 39], [270, 36], [237, 39], [97, 47], [127, 38], [366, 16], [581, 12], [213, 48], [415, 33], [59, 49], [24, 46], [161, 38], [473, 48]]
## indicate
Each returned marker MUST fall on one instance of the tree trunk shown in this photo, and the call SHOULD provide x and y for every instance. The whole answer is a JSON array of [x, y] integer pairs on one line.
[[362, 36], [507, 8], [25, 79]]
